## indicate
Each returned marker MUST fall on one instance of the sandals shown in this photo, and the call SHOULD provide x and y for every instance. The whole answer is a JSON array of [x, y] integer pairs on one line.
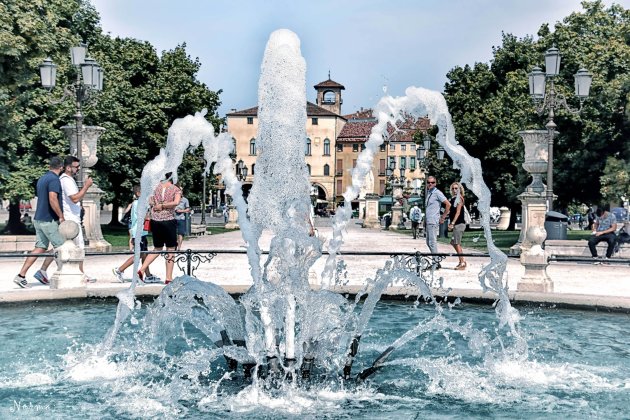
[[461, 266]]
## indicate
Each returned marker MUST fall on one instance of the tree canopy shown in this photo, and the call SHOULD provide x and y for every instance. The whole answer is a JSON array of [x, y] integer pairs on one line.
[[143, 93], [490, 103]]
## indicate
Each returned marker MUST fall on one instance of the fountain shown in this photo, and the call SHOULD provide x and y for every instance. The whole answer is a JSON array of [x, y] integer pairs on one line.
[[283, 349]]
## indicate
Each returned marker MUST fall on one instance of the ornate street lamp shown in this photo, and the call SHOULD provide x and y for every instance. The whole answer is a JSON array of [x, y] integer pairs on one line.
[[551, 100], [423, 152], [89, 80]]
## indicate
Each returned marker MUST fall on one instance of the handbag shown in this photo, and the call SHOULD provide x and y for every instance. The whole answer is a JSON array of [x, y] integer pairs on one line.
[[126, 219], [467, 218], [147, 225]]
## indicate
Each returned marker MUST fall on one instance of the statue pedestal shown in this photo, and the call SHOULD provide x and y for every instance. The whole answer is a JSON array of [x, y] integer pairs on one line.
[[69, 258], [371, 212], [92, 220], [533, 234], [397, 218], [232, 222]]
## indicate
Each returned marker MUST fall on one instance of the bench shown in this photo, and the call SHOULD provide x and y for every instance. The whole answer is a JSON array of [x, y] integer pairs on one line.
[[579, 248], [197, 230]]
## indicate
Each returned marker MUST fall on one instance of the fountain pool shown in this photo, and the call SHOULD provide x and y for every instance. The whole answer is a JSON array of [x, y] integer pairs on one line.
[[578, 366]]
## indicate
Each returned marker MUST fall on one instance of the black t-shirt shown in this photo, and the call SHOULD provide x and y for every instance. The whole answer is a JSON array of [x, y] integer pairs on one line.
[[451, 213]]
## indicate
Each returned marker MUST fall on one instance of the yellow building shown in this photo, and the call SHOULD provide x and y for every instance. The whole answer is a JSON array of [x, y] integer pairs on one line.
[[332, 145]]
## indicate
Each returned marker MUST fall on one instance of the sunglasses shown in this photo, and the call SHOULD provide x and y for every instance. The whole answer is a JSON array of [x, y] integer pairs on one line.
[[430, 182]]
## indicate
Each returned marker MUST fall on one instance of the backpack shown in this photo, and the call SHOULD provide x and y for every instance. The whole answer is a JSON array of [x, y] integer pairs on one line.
[[414, 214], [622, 238]]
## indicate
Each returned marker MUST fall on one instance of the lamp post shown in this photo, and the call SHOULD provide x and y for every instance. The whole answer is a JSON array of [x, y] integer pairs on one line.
[[89, 79], [203, 200], [241, 170], [423, 158], [551, 100], [83, 139]]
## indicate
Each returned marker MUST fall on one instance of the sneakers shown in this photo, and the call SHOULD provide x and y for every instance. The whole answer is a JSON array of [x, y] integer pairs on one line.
[[20, 281], [152, 279], [118, 274], [41, 276]]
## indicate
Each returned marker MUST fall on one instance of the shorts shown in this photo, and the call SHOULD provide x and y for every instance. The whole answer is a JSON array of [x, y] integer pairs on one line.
[[458, 233], [181, 227], [164, 233], [47, 233], [144, 245]]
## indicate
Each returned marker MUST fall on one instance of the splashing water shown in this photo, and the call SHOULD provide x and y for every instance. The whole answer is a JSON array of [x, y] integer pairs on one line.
[[276, 333]]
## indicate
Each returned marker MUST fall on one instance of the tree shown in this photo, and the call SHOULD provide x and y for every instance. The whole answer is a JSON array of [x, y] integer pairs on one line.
[[615, 182], [489, 104]]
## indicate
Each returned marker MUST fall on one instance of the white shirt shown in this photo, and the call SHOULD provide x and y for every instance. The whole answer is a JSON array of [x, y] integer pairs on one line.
[[71, 210]]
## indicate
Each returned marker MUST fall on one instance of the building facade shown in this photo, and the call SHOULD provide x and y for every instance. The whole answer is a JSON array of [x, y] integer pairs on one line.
[[332, 145]]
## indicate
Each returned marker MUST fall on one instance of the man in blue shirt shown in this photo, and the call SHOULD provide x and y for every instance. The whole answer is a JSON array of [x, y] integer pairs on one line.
[[48, 215], [433, 203], [603, 230]]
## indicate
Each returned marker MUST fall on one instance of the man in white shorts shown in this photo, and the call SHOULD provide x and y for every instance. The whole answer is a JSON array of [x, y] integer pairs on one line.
[[72, 196]]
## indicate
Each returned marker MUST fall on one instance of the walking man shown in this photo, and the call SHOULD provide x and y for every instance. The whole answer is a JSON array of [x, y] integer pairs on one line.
[[416, 216], [48, 215], [433, 202], [603, 230], [72, 197]]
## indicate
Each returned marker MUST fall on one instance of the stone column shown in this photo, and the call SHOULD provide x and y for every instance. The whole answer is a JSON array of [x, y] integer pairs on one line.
[[371, 212], [535, 143], [69, 257], [92, 199], [534, 209], [232, 222]]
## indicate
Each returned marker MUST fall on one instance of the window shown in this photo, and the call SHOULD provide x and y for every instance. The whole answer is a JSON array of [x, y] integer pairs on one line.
[[412, 163], [340, 147], [253, 167], [403, 162], [381, 186], [326, 147], [403, 147], [383, 147], [309, 168], [326, 170], [252, 147], [381, 167], [339, 187], [250, 120], [362, 146], [413, 147], [392, 161], [339, 167], [308, 147], [392, 146], [314, 121], [329, 97], [355, 147], [354, 163]]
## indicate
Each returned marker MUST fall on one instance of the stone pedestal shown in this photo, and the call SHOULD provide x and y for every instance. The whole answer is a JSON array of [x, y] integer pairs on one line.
[[533, 233], [69, 258], [397, 217], [371, 212], [232, 222]]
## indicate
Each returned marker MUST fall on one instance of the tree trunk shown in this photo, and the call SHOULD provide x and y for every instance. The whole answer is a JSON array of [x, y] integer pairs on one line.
[[14, 225], [514, 208], [115, 206]]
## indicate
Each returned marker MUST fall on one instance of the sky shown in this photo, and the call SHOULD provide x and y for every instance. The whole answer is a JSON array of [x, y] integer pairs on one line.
[[369, 46]]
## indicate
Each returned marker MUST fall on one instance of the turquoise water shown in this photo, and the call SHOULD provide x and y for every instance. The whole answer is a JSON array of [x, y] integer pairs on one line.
[[578, 366]]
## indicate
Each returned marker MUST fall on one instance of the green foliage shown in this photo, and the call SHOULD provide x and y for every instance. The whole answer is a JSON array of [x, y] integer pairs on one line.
[[615, 182], [143, 93], [490, 104]]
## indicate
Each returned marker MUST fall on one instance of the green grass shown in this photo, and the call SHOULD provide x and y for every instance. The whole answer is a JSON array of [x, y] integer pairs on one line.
[[119, 238]]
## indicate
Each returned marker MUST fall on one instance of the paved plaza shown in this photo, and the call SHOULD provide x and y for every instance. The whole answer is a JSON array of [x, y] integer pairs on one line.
[[581, 284]]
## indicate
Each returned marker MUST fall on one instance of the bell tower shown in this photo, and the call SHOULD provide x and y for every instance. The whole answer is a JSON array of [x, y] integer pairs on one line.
[[329, 95]]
